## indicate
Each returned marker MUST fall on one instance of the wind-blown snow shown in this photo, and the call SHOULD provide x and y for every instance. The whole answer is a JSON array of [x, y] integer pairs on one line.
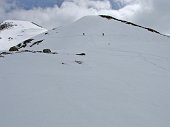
[[17, 32], [123, 80]]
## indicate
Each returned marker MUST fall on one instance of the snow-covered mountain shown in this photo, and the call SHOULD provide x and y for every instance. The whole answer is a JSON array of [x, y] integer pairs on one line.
[[13, 32], [101, 71]]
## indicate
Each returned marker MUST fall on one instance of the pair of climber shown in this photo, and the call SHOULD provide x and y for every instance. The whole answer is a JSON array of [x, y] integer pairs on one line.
[[84, 34]]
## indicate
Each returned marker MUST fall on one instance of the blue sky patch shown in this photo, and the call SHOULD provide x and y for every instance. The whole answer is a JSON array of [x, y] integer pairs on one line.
[[29, 4]]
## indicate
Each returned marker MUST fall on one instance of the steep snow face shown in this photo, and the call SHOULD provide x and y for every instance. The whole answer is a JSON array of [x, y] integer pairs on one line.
[[119, 78], [13, 32], [95, 30]]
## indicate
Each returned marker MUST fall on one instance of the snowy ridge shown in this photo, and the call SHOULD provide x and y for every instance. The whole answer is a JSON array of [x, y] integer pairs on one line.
[[13, 32], [133, 24], [94, 72], [79, 31]]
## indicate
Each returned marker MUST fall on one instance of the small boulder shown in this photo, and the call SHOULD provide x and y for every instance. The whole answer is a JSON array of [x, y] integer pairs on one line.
[[78, 62], [10, 38], [14, 48], [81, 54], [46, 51]]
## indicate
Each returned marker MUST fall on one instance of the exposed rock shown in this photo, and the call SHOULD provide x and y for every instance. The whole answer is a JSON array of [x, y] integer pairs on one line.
[[79, 62], [39, 51], [133, 24], [24, 43], [107, 17], [81, 54], [36, 24], [10, 38], [54, 28], [14, 48], [5, 53], [53, 53], [5, 26], [46, 51], [152, 30], [36, 43], [28, 41]]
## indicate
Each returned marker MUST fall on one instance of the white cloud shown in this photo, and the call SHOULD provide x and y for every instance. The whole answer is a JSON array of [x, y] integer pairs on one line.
[[69, 11], [157, 17]]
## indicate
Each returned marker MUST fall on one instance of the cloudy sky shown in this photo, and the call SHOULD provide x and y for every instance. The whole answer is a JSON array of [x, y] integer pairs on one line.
[[53, 13]]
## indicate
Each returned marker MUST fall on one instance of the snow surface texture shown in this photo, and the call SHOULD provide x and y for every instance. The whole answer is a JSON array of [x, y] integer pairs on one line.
[[122, 80], [13, 32]]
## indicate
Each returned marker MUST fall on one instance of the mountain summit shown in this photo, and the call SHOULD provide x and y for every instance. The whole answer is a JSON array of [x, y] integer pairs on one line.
[[95, 72]]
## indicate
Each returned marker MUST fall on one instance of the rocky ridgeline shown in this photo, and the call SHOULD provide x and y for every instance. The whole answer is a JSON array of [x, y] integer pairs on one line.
[[133, 24], [44, 51], [24, 44]]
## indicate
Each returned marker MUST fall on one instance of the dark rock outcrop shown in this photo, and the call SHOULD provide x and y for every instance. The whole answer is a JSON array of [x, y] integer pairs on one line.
[[133, 24], [46, 51], [81, 54], [36, 43], [14, 48], [5, 26], [78, 62]]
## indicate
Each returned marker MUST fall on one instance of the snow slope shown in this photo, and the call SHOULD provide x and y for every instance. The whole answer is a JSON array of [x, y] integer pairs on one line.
[[13, 32], [122, 81]]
